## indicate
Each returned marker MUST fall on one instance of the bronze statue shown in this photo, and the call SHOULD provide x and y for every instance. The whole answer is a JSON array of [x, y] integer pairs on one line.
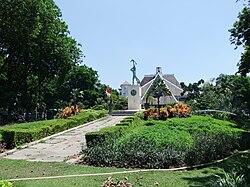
[[133, 69]]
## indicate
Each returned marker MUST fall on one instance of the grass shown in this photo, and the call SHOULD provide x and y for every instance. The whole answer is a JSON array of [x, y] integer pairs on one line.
[[196, 178], [82, 117], [18, 134], [171, 143]]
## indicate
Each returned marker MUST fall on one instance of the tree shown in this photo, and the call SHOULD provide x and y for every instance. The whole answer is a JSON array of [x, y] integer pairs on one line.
[[227, 92], [235, 90], [193, 90], [35, 48], [240, 36], [158, 90], [83, 79]]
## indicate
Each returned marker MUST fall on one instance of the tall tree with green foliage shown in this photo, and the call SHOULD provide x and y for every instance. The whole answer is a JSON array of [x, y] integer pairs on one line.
[[35, 48], [226, 92], [240, 36]]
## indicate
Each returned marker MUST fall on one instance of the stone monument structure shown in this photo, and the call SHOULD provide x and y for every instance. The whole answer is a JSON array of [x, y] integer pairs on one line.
[[134, 91]]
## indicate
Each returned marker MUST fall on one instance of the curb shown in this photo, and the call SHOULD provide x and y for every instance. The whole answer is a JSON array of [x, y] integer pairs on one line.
[[9, 152]]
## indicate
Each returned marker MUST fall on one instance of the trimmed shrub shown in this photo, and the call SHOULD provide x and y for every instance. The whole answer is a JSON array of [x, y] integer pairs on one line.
[[18, 134], [130, 117], [123, 124], [127, 120], [136, 153], [93, 138]]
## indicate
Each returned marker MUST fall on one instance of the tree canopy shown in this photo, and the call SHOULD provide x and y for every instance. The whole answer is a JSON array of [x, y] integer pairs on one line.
[[35, 47], [226, 92], [240, 36]]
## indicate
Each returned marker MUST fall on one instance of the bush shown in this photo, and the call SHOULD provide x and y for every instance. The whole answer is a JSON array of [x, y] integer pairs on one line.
[[93, 138], [6, 184], [127, 120], [178, 110], [171, 143], [136, 153], [123, 124], [232, 179], [208, 147], [18, 134]]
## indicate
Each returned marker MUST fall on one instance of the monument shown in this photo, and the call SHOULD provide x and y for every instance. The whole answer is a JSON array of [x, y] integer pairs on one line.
[[134, 91]]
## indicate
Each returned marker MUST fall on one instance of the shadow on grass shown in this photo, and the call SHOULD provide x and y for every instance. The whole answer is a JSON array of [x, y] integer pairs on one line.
[[239, 163]]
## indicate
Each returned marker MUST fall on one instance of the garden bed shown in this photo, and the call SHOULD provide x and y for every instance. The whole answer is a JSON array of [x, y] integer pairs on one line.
[[18, 134], [172, 143]]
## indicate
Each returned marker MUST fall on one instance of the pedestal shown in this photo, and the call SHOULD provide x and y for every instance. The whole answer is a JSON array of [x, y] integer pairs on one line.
[[134, 97]]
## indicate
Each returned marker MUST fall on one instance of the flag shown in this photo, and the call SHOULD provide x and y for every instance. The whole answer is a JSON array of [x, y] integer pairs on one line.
[[108, 92]]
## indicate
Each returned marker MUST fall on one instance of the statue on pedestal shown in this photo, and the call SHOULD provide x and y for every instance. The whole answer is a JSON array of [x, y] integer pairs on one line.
[[133, 69]]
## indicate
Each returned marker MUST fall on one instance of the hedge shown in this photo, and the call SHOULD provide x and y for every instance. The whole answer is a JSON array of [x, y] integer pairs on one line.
[[123, 124], [126, 121], [17, 134], [173, 143], [93, 138]]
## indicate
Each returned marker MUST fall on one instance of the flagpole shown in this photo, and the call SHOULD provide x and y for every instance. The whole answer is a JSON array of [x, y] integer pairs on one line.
[[110, 105]]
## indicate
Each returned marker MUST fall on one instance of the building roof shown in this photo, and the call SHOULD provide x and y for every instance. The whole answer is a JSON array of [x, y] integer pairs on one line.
[[126, 83], [169, 79]]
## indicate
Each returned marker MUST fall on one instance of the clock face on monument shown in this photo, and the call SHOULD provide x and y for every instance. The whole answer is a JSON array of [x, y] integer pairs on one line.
[[133, 92]]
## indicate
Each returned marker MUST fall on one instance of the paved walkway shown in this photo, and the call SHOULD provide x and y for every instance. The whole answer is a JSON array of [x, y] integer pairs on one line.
[[61, 146]]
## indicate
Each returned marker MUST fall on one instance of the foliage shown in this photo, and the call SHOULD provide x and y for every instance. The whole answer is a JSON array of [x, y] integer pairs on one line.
[[210, 146], [171, 143], [185, 178], [193, 90], [35, 48], [69, 111], [240, 36], [159, 89], [227, 92], [93, 138], [18, 134], [6, 184], [232, 179], [178, 110], [39, 63]]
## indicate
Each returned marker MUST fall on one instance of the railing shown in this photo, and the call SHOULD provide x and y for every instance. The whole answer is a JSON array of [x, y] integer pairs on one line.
[[212, 111]]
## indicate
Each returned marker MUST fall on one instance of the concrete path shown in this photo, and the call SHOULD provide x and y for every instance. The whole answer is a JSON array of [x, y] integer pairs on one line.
[[62, 146]]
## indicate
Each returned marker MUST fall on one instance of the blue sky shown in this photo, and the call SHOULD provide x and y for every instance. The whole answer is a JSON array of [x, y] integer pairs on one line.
[[187, 38]]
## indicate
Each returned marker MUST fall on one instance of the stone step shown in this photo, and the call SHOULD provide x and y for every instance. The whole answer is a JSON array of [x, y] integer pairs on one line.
[[124, 113]]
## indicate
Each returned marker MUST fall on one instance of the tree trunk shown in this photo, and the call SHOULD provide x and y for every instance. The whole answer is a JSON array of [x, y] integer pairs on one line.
[[158, 104]]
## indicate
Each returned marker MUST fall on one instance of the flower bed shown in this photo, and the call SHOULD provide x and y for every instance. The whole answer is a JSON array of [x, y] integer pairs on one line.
[[178, 110]]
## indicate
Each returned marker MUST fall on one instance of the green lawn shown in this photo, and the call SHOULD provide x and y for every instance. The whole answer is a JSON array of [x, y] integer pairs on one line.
[[199, 177]]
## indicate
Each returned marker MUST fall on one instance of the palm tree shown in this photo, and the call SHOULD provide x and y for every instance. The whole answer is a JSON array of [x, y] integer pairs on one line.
[[158, 90]]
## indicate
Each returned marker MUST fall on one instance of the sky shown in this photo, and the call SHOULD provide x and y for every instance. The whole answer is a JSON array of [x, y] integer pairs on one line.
[[189, 39]]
